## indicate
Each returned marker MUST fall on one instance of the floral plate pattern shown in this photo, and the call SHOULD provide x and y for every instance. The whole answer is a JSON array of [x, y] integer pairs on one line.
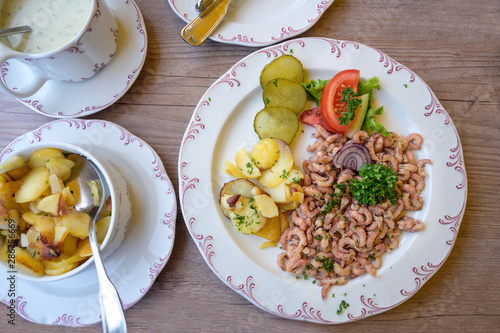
[[259, 23], [148, 242], [222, 123], [60, 99]]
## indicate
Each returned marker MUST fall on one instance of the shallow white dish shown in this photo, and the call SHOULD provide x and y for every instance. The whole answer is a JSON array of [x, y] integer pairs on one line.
[[222, 123], [148, 242], [59, 99], [259, 23]]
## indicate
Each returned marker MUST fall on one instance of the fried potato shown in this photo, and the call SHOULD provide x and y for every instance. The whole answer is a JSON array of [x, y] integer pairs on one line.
[[33, 185], [40, 157], [77, 222], [26, 260]]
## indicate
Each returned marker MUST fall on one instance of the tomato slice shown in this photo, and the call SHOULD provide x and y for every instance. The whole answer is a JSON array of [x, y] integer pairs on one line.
[[331, 105], [312, 117]]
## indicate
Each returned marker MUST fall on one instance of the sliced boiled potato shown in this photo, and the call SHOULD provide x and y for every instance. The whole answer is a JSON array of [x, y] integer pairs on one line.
[[276, 122], [248, 220], [265, 153], [271, 230], [241, 187], [280, 193], [232, 170], [40, 157], [33, 185], [246, 165], [266, 205], [295, 176], [281, 170], [285, 93], [286, 66]]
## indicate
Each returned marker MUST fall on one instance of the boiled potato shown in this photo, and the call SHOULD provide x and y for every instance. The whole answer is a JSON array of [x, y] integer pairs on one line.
[[266, 206], [232, 170], [33, 185], [271, 230], [246, 164], [248, 220], [240, 187], [265, 153], [281, 170]]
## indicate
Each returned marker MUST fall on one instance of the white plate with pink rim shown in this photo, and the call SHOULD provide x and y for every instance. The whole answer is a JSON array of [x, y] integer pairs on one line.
[[222, 123], [60, 99], [148, 242], [258, 23]]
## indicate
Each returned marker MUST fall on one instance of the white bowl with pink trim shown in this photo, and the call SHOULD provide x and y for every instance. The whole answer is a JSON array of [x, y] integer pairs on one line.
[[114, 185]]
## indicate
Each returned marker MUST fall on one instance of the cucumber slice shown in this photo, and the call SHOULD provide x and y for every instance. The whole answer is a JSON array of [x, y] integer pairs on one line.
[[286, 66], [359, 116], [276, 122], [286, 93]]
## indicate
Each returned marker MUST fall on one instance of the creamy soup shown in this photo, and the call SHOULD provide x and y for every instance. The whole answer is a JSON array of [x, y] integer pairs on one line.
[[53, 22]]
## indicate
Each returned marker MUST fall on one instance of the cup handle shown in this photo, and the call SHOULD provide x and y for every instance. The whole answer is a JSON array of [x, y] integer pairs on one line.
[[34, 84]]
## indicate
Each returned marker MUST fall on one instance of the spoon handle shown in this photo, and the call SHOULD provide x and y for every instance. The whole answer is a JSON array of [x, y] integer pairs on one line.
[[112, 316], [16, 30], [199, 29]]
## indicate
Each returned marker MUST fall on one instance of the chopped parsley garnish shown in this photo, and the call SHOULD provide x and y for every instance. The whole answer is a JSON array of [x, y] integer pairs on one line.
[[343, 305], [285, 174], [275, 82], [266, 101], [377, 185], [352, 103]]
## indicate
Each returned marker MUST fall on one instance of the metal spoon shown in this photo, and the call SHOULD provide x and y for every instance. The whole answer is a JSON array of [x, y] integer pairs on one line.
[[113, 318], [16, 30], [199, 29], [201, 5]]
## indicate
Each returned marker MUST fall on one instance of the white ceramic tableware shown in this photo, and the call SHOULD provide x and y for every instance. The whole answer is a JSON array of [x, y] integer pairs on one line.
[[115, 186], [258, 23], [74, 58], [148, 242], [222, 123]]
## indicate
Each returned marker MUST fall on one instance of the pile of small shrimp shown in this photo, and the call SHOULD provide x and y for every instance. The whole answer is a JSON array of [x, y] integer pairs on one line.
[[335, 244]]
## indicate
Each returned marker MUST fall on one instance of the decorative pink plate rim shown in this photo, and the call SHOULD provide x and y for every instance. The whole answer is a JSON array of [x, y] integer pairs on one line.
[[149, 240], [70, 100], [222, 123], [299, 17]]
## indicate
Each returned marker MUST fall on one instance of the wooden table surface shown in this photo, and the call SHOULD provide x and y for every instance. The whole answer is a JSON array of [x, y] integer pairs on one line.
[[453, 45]]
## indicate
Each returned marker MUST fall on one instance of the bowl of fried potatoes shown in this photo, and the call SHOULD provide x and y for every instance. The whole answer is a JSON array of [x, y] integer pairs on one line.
[[43, 237]]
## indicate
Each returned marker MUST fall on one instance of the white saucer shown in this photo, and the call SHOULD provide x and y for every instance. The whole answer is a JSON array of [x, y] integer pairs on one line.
[[149, 240], [60, 99], [258, 23]]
